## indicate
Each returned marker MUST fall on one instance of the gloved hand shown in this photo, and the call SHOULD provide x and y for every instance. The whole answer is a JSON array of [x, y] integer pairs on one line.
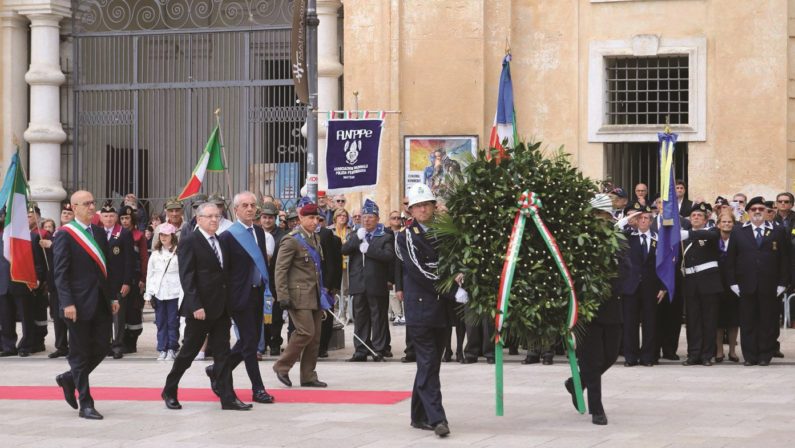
[[285, 304], [361, 233], [461, 296], [684, 234], [363, 247], [735, 289], [621, 223], [780, 290]]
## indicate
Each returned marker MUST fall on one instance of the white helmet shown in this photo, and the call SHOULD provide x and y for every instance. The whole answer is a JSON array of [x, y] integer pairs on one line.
[[418, 193]]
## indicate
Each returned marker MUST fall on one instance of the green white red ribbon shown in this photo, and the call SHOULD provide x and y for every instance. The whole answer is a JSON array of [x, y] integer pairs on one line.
[[529, 205]]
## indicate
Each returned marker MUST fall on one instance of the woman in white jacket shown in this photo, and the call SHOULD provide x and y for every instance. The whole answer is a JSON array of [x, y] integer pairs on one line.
[[165, 291]]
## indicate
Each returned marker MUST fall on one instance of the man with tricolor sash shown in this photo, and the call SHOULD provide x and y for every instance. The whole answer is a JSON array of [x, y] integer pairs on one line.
[[86, 300]]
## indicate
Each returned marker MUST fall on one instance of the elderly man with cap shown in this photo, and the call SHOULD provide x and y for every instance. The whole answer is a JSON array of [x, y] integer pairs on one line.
[[220, 201], [195, 202], [133, 314], [642, 290], [427, 310], [175, 215], [272, 330], [299, 285], [371, 251], [702, 286], [620, 199], [121, 271], [758, 272]]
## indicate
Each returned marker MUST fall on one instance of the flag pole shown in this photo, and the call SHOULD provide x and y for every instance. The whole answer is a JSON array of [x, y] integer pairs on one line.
[[223, 153], [27, 187]]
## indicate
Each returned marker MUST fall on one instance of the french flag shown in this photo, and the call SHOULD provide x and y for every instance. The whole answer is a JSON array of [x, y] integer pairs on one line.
[[504, 129]]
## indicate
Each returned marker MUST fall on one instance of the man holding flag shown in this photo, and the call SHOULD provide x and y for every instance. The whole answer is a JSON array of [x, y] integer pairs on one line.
[[86, 299], [669, 233]]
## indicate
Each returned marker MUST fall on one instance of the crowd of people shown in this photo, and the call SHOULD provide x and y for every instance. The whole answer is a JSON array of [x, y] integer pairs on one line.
[[317, 267]]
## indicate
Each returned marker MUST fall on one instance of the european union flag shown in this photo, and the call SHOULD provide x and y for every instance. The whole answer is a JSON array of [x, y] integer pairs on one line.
[[668, 235]]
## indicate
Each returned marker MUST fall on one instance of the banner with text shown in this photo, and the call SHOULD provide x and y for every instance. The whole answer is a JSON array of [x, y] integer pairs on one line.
[[352, 154]]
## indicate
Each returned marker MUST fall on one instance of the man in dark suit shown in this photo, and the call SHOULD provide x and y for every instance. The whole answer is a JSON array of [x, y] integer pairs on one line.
[[202, 259], [642, 291], [702, 286], [371, 251], [86, 300], [758, 272], [273, 330], [121, 269], [331, 246], [683, 203], [248, 279], [427, 311]]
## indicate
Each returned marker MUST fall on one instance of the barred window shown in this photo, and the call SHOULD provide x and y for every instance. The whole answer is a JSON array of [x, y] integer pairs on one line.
[[644, 90]]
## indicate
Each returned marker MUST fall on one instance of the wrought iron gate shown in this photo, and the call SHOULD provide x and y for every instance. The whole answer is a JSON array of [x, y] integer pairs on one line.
[[148, 76]]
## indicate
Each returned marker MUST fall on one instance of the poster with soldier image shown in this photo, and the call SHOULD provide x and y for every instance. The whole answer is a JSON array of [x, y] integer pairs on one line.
[[430, 159]]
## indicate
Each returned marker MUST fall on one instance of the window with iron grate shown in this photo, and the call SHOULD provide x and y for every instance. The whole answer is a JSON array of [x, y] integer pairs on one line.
[[646, 90]]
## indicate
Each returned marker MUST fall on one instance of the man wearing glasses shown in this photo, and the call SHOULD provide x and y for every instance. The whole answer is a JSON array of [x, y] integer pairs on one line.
[[757, 270], [785, 216], [642, 194]]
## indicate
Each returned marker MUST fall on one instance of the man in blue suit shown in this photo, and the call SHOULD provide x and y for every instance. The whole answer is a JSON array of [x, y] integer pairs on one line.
[[248, 280], [87, 302], [426, 311], [642, 291], [757, 268]]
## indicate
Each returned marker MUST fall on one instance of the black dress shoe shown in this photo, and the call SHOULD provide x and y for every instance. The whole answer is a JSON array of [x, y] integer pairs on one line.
[[90, 414], [275, 351], [707, 363], [262, 396], [388, 354], [4, 354], [469, 361], [690, 362], [513, 350], [408, 359], [547, 361], [23, 353], [40, 348], [734, 358], [357, 358], [68, 387], [490, 361], [118, 354], [422, 425], [778, 354], [57, 354], [630, 363], [441, 430], [315, 383], [673, 357], [599, 419], [171, 402], [569, 384], [210, 374], [322, 355], [646, 364], [236, 405], [531, 360], [764, 363], [378, 358], [749, 363], [284, 379]]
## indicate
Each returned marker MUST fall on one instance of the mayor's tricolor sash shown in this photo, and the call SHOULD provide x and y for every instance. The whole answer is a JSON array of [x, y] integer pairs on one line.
[[249, 244], [88, 243]]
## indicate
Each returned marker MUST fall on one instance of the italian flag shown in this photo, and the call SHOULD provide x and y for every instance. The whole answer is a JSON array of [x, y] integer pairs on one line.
[[210, 160], [504, 128], [16, 236]]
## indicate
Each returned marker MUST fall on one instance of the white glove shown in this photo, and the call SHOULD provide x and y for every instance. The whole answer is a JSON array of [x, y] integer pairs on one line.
[[780, 290], [621, 223], [361, 233], [147, 297], [684, 234], [735, 289], [461, 296], [363, 247]]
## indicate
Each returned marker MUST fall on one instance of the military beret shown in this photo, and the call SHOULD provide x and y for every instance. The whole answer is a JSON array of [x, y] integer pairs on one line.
[[770, 204], [126, 211], [309, 209], [198, 200], [618, 191], [108, 207], [702, 207], [217, 199], [292, 214], [756, 200]]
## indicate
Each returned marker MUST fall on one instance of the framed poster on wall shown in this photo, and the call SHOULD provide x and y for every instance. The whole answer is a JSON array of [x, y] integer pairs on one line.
[[431, 158]]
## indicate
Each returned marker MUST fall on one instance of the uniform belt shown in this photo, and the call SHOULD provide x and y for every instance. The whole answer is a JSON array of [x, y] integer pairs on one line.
[[701, 267]]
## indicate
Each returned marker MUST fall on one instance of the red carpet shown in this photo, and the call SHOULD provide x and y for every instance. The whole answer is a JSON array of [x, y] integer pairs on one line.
[[153, 394]]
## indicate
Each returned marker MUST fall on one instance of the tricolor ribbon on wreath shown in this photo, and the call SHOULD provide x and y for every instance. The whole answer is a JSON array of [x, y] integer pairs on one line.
[[529, 205]]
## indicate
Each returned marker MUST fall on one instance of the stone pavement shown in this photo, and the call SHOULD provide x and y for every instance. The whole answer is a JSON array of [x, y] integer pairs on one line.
[[669, 405]]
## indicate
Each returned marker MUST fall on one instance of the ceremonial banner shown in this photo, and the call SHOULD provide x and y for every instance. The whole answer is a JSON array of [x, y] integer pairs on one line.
[[298, 52], [352, 154], [668, 235]]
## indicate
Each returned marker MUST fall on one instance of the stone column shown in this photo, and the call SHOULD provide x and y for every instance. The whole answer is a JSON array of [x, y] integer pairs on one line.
[[14, 57], [45, 132], [329, 71]]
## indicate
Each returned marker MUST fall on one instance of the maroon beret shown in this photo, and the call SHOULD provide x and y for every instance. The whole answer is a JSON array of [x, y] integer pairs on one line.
[[308, 210]]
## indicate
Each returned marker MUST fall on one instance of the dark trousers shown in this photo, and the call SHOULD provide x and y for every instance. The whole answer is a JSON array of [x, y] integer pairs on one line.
[[597, 352], [460, 333], [119, 320], [273, 330], [167, 322], [88, 345], [480, 339], [370, 322], [249, 326], [326, 328], [639, 309], [426, 396], [133, 319], [217, 333], [39, 315], [702, 326], [758, 323], [14, 305], [669, 323], [59, 324]]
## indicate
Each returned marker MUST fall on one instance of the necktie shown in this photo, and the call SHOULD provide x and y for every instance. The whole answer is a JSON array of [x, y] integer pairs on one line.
[[645, 247], [251, 232], [108, 233], [759, 237], [215, 249], [368, 237]]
